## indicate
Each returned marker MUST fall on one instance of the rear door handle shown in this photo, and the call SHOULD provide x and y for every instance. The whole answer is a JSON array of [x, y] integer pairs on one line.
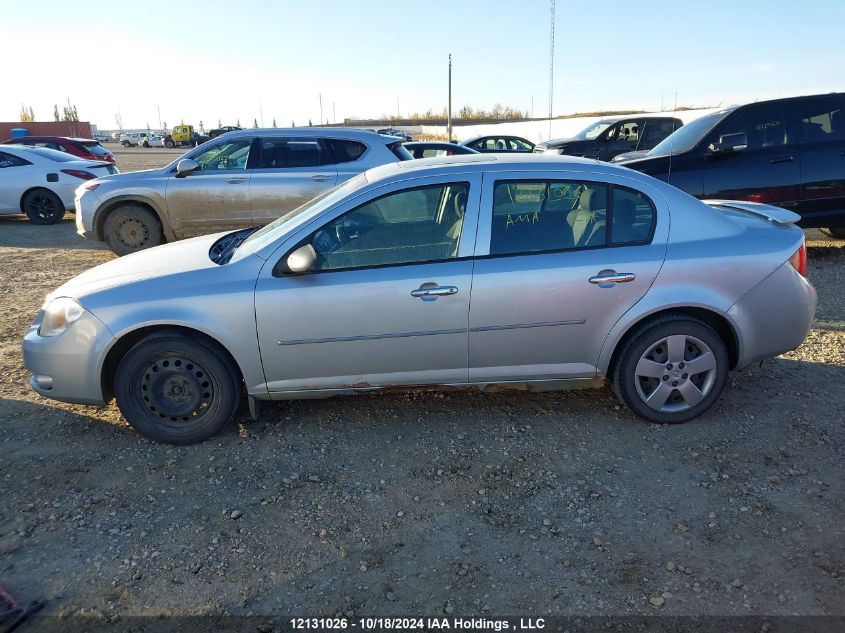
[[235, 180], [320, 178], [607, 280], [782, 159]]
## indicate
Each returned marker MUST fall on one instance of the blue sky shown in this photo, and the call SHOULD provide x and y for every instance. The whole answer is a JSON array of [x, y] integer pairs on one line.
[[223, 60]]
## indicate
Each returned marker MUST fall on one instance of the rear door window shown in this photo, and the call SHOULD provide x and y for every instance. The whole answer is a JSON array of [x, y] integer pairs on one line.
[[542, 216], [292, 152], [820, 119], [537, 216], [655, 131]]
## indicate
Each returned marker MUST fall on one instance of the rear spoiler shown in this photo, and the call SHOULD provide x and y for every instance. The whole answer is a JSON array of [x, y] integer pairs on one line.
[[775, 215]]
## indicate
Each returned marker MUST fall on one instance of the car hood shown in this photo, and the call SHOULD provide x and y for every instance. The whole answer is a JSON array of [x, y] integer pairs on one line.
[[178, 257], [572, 145]]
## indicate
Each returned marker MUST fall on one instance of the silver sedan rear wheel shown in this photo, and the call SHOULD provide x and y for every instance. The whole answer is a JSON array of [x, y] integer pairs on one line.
[[676, 373], [671, 369]]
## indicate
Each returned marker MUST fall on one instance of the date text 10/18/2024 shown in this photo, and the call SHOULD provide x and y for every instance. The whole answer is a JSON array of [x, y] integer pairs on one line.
[[410, 624]]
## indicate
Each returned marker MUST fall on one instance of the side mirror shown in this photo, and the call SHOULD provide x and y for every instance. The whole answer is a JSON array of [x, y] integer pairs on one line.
[[730, 143], [302, 259], [185, 167]]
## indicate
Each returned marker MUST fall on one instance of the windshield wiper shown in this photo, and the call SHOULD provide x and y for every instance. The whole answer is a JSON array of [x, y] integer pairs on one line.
[[230, 244]]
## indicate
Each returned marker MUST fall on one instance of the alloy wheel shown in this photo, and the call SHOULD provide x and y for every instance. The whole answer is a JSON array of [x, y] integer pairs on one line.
[[675, 373]]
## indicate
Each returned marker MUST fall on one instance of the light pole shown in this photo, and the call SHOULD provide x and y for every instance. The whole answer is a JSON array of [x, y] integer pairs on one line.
[[449, 109], [321, 109]]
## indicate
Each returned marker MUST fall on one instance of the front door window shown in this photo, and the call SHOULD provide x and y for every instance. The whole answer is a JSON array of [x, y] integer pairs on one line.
[[410, 226]]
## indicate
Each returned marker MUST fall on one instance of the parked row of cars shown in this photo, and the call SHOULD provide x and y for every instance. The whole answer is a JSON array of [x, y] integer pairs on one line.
[[788, 152]]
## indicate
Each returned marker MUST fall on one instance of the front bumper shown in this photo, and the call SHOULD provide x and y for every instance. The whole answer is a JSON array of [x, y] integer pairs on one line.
[[68, 367], [774, 317]]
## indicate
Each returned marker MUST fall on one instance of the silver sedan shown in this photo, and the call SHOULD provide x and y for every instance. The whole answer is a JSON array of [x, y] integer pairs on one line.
[[538, 271]]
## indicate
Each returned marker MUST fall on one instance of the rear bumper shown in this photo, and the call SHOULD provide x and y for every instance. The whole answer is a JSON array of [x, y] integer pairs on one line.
[[774, 317], [67, 367]]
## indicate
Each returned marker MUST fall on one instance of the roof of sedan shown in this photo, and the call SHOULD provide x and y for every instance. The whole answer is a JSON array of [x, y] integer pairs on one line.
[[495, 162], [77, 139], [347, 132]]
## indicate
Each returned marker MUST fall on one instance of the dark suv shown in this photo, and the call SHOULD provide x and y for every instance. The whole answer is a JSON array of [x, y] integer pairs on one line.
[[608, 138], [786, 152]]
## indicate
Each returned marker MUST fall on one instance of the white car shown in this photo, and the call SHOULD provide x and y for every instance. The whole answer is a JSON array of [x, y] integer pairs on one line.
[[131, 139], [151, 140], [41, 182]]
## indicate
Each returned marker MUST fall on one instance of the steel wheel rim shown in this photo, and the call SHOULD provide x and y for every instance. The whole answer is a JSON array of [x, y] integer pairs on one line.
[[133, 232], [176, 388], [41, 205], [675, 373]]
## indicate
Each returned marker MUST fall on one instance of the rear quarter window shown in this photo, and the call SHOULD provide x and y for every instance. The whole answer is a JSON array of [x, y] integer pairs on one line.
[[345, 151]]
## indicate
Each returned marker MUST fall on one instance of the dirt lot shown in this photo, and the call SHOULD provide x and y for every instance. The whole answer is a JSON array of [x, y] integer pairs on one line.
[[464, 503]]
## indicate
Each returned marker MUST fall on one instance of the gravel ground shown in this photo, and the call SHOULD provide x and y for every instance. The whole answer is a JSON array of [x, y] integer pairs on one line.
[[427, 503]]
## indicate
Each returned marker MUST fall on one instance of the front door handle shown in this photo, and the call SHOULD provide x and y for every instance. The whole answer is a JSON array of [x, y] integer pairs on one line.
[[320, 178], [782, 159], [430, 291], [606, 279], [235, 180]]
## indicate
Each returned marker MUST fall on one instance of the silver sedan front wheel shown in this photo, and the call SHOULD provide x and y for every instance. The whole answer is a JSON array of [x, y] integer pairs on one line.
[[671, 369]]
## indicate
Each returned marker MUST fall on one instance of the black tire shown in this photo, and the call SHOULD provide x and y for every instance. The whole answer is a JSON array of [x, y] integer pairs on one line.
[[169, 143], [125, 143], [177, 388], [42, 206], [131, 228], [645, 344], [837, 231]]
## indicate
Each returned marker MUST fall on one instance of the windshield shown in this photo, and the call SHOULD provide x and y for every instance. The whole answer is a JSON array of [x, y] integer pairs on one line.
[[685, 138], [267, 234], [593, 130]]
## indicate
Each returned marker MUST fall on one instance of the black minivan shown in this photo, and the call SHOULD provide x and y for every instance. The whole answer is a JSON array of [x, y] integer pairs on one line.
[[786, 152]]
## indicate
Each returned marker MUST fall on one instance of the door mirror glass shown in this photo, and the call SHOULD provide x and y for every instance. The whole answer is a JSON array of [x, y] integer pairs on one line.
[[302, 259], [730, 143], [185, 167]]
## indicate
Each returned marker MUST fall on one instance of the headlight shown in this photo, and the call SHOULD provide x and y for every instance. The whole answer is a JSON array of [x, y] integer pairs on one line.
[[58, 315]]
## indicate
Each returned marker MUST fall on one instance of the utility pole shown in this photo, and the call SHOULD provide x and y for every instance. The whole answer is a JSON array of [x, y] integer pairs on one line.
[[321, 109], [449, 110], [261, 112], [551, 66], [160, 129], [334, 114]]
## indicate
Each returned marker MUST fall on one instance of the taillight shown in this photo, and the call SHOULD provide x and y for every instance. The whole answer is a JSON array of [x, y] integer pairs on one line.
[[799, 259], [78, 173]]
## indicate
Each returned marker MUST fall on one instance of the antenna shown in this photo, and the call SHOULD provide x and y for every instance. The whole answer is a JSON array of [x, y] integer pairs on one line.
[[551, 65], [672, 140]]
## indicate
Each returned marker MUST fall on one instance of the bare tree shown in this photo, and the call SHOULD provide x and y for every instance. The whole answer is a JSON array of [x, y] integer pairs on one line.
[[70, 113], [27, 115], [56, 113]]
